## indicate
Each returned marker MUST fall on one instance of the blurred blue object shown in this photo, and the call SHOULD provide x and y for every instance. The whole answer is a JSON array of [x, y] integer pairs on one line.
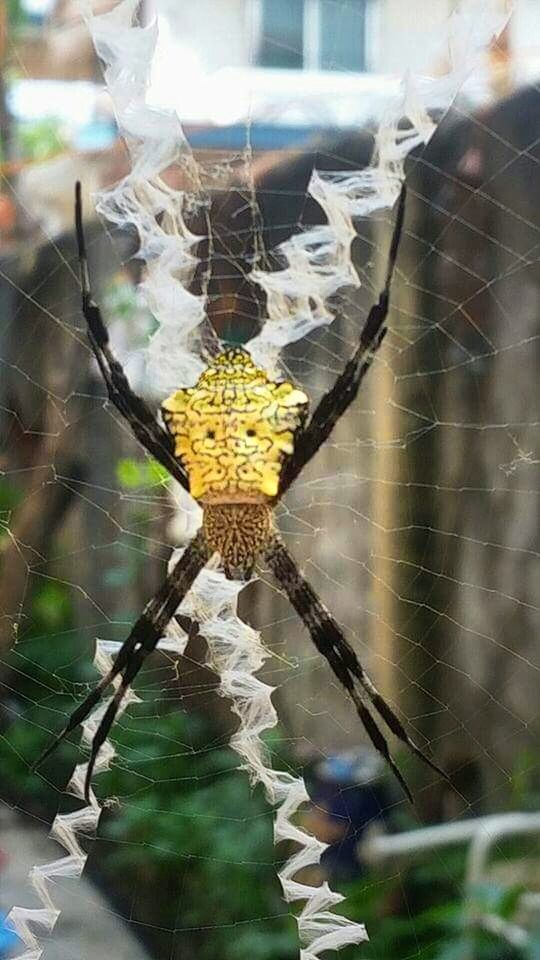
[[350, 790], [260, 136], [37, 10], [8, 939], [96, 135]]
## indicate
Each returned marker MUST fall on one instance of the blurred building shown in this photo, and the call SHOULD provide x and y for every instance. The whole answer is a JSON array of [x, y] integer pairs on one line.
[[319, 61], [296, 64]]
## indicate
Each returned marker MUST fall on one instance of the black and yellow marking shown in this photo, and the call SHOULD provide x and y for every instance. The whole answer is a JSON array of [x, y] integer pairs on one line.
[[233, 430]]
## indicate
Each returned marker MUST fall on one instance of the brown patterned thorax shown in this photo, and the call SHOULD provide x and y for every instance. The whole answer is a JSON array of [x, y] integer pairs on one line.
[[238, 532]]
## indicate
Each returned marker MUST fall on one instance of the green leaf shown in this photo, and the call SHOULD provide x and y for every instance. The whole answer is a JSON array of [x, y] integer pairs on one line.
[[52, 605], [498, 899], [133, 474], [129, 473]]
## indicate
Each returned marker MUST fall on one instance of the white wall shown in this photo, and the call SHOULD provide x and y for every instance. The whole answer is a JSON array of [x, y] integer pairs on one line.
[[526, 38], [402, 35], [407, 34], [217, 29]]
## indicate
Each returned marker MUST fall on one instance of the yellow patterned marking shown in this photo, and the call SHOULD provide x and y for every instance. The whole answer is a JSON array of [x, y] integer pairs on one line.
[[233, 430]]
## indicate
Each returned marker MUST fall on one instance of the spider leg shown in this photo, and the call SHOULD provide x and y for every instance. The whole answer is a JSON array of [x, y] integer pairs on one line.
[[141, 641], [336, 401], [330, 642], [154, 438], [380, 743]]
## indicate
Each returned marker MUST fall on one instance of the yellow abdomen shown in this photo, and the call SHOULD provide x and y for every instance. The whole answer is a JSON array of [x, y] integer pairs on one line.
[[234, 429]]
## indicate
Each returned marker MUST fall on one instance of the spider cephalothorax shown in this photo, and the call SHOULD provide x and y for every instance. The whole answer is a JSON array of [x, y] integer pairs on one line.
[[237, 440], [233, 430]]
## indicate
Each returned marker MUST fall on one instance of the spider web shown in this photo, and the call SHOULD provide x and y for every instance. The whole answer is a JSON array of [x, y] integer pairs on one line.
[[416, 523]]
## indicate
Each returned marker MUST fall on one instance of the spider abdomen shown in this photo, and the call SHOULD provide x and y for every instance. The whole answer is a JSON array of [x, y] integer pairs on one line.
[[238, 532]]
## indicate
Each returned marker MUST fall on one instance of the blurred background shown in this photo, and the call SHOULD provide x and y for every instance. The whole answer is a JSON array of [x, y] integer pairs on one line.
[[418, 524]]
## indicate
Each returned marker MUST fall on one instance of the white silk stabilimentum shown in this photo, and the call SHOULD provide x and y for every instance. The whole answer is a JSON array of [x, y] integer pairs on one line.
[[236, 654], [318, 264]]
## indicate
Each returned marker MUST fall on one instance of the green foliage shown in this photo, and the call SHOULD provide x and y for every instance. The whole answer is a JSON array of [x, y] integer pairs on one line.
[[133, 474], [16, 15], [189, 824], [423, 913], [40, 139], [525, 794], [52, 605], [21, 745], [40, 678], [10, 497], [44, 665]]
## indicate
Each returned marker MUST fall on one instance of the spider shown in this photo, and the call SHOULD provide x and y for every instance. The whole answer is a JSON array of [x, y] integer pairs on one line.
[[236, 441]]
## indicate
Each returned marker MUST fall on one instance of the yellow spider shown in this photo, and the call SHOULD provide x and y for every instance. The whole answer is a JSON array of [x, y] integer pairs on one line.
[[236, 441]]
